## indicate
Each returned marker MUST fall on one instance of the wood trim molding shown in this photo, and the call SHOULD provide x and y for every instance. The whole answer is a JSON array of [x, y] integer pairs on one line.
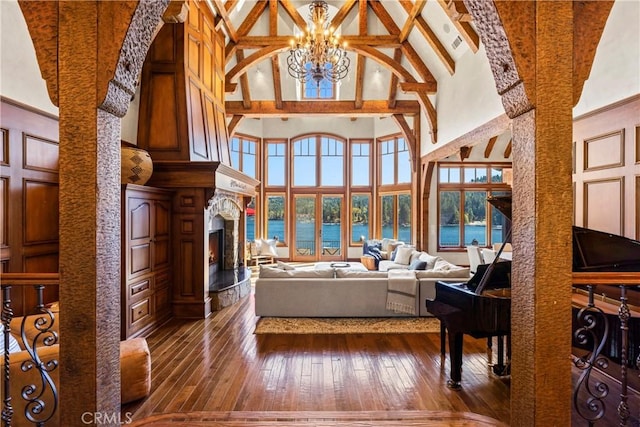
[[621, 149]]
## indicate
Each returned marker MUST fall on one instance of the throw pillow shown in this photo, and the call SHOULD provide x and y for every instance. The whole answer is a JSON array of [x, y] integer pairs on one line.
[[403, 256], [13, 342], [429, 259], [285, 266], [417, 265], [268, 247]]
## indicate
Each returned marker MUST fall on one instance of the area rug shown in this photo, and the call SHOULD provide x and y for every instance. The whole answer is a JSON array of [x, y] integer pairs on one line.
[[369, 325]]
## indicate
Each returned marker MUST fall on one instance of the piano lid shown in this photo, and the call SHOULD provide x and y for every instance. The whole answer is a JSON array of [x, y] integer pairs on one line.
[[502, 203], [599, 251]]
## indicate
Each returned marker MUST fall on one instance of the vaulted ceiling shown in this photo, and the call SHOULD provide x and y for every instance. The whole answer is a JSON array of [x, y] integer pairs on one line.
[[399, 49]]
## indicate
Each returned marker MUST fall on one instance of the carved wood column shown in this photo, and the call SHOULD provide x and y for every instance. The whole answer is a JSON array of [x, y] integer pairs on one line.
[[530, 45], [100, 50]]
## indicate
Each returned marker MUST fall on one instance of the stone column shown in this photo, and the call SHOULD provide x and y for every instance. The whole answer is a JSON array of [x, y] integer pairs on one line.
[[530, 45]]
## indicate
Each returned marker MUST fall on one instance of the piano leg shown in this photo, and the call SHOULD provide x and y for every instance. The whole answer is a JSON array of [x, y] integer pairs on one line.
[[443, 337], [455, 357], [499, 367]]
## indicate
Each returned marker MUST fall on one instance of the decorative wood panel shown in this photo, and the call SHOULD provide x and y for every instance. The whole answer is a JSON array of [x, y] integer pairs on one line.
[[164, 47], [604, 205], [163, 109], [4, 147], [41, 263], [604, 151], [187, 276], [211, 129], [193, 55], [40, 212], [198, 139], [4, 213], [637, 135], [40, 154]]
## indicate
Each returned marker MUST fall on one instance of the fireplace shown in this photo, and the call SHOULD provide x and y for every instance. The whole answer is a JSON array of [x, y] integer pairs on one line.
[[229, 280]]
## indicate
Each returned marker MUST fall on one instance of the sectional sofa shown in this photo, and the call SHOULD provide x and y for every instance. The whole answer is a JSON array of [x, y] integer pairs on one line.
[[340, 292]]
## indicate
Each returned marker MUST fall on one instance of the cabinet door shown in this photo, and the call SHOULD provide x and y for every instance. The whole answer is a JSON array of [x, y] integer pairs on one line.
[[161, 234], [139, 236]]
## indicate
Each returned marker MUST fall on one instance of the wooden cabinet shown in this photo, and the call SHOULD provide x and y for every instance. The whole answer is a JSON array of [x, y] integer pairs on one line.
[[146, 262]]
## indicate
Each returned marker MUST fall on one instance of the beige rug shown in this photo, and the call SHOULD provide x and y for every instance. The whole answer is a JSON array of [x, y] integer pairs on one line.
[[298, 325]]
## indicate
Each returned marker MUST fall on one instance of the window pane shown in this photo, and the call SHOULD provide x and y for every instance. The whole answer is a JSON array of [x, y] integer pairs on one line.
[[404, 217], [404, 167], [250, 223], [332, 162], [305, 217], [449, 218], [475, 175], [275, 164], [475, 218], [304, 162], [331, 225], [496, 175], [388, 217], [387, 164], [500, 225], [249, 164], [275, 218], [360, 164], [360, 217]]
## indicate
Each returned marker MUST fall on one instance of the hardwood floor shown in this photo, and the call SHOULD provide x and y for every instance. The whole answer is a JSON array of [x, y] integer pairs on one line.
[[218, 364]]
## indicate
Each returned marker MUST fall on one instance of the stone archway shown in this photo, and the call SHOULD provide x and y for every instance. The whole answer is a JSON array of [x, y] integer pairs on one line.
[[227, 206]]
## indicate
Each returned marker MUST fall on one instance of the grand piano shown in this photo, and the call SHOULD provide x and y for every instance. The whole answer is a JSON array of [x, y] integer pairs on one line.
[[481, 307]]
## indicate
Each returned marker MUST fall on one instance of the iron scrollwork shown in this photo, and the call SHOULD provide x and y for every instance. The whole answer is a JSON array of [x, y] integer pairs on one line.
[[594, 391]]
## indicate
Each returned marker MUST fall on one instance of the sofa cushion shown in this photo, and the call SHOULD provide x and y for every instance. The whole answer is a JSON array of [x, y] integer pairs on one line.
[[403, 255], [429, 259], [267, 247], [284, 266], [352, 274], [417, 265], [276, 273], [461, 272]]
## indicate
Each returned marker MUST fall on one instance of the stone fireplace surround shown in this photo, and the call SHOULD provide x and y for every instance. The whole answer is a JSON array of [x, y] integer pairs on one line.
[[229, 280]]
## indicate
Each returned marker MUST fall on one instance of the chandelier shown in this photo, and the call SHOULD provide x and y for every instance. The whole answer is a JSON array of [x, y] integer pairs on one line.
[[317, 54]]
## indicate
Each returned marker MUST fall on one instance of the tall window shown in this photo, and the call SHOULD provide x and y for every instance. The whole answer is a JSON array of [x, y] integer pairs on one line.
[[276, 217], [395, 162], [304, 162], [276, 164], [331, 162], [360, 164], [395, 219], [463, 207], [360, 206], [243, 155]]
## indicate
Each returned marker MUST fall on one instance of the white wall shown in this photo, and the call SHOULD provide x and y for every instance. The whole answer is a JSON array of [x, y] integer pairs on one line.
[[20, 78], [616, 65]]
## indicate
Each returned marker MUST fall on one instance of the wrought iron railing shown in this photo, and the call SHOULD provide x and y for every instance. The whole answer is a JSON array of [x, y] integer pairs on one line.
[[24, 295], [593, 332]]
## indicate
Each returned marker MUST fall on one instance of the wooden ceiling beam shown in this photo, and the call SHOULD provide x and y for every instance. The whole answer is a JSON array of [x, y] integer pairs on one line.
[[489, 148], [334, 108], [342, 13], [359, 81], [415, 11], [409, 137], [242, 66], [277, 81], [465, 152], [294, 14], [464, 28], [507, 151], [233, 124], [255, 42], [362, 17], [384, 17], [430, 113], [395, 67], [417, 63], [428, 88], [393, 84], [273, 17], [431, 38], [228, 5], [245, 27], [244, 83], [222, 13]]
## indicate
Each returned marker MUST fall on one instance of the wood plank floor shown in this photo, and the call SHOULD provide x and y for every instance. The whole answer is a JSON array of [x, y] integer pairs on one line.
[[219, 364]]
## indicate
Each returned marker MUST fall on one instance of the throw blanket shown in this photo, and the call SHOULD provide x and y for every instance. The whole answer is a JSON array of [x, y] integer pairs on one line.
[[402, 289]]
